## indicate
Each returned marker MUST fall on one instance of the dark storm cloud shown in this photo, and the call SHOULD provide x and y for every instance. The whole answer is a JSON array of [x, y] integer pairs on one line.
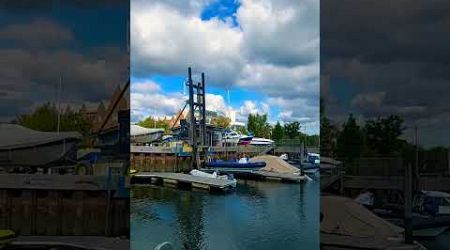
[[39, 50], [385, 31], [397, 48], [48, 5], [39, 33]]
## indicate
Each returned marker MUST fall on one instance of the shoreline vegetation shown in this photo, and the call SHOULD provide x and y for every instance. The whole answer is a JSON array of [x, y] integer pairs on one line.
[[257, 125]]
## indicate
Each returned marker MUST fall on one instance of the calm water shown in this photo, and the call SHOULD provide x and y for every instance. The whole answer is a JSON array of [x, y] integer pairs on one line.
[[259, 215], [439, 243]]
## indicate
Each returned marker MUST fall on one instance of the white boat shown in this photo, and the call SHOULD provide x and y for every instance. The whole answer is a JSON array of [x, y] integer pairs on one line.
[[20, 146], [140, 134], [433, 202], [214, 175], [233, 137], [313, 158], [257, 141]]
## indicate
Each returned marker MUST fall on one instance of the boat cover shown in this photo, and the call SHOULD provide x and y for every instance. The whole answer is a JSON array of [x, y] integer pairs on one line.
[[233, 164], [15, 136], [138, 130], [344, 216]]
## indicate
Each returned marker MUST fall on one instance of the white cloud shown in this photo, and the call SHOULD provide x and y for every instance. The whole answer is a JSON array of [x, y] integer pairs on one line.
[[284, 32], [146, 86], [274, 51], [154, 104], [216, 103], [166, 42], [276, 81], [251, 107]]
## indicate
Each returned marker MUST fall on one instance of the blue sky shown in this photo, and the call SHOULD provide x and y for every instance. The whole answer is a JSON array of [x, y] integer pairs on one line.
[[265, 54]]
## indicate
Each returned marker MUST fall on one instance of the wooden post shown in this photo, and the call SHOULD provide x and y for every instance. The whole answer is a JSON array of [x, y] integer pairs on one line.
[[408, 203]]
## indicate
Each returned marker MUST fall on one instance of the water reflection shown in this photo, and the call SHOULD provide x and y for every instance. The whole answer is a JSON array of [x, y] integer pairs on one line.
[[259, 215]]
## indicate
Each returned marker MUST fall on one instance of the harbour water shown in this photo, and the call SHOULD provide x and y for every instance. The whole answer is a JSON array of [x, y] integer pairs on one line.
[[258, 215], [438, 243]]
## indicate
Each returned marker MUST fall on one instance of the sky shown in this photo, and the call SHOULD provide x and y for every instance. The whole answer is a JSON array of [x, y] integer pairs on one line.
[[83, 42], [388, 57], [265, 53]]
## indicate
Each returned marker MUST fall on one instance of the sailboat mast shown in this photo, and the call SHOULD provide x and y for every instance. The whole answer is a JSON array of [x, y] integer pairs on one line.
[[59, 105]]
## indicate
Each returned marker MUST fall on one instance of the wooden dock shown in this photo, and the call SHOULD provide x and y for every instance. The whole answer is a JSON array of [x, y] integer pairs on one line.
[[72, 242], [182, 180], [335, 241], [259, 174]]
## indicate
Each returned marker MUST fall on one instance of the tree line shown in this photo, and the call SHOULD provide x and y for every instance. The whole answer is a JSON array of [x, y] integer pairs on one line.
[[257, 124]]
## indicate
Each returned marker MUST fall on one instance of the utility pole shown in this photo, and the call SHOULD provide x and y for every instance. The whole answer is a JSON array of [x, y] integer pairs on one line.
[[59, 106]]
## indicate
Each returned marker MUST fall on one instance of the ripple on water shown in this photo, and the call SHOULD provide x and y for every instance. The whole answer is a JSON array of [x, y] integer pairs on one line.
[[259, 215]]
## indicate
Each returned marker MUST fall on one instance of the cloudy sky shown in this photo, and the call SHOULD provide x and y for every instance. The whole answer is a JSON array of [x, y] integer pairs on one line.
[[265, 52], [83, 42], [384, 57]]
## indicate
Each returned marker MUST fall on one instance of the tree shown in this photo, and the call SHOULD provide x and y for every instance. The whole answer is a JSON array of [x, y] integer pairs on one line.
[[382, 135], [45, 118], [151, 122], [258, 125], [278, 132], [350, 141], [292, 130], [221, 121], [328, 133], [242, 130]]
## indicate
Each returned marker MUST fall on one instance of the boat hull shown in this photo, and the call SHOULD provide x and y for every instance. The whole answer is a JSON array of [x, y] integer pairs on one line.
[[227, 164]]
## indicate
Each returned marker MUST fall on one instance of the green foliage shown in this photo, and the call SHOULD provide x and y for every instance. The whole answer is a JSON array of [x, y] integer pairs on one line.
[[382, 135], [328, 135], [258, 125], [45, 118], [221, 121], [292, 130], [350, 140], [242, 130], [151, 122], [311, 140], [278, 132]]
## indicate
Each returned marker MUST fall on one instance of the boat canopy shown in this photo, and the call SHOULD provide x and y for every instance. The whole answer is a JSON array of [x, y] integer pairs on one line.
[[16, 136], [138, 130], [436, 194]]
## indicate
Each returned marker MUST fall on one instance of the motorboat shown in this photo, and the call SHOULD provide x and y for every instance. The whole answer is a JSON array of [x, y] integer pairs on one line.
[[313, 158], [245, 139], [257, 141], [233, 137], [21, 146], [140, 134], [214, 175], [236, 164], [434, 203]]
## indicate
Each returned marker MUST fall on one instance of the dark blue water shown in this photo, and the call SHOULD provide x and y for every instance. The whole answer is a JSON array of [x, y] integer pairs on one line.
[[259, 215], [438, 243]]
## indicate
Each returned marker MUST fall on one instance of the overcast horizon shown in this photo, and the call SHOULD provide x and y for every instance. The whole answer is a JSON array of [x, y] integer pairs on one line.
[[400, 64], [82, 43]]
